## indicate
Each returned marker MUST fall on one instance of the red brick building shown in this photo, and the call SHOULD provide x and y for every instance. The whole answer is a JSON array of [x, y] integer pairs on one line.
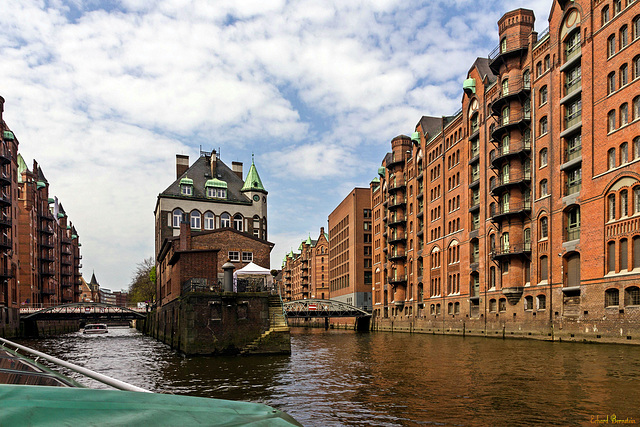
[[9, 298], [517, 214], [49, 248], [306, 274], [350, 253], [194, 260]]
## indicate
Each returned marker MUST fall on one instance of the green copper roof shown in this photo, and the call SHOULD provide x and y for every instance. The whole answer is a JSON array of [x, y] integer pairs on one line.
[[469, 85], [41, 184], [300, 247], [215, 182], [8, 135], [51, 200], [381, 171], [376, 179], [309, 242], [186, 181], [415, 137], [22, 166], [253, 182], [60, 215], [74, 236]]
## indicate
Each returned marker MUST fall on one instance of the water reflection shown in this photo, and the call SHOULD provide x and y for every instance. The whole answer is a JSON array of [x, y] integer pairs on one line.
[[343, 378]]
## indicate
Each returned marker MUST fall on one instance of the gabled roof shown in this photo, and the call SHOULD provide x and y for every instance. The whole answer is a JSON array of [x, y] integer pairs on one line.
[[253, 182], [430, 125], [93, 279], [482, 64], [200, 174]]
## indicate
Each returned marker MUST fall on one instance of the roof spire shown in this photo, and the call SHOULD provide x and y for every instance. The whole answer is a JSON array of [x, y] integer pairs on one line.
[[253, 181]]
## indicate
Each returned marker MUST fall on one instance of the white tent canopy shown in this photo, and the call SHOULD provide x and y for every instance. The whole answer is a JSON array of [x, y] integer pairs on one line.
[[253, 273], [253, 269]]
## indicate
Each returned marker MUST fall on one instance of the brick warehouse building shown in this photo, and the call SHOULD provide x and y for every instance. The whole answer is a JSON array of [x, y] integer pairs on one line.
[[519, 214], [306, 274], [350, 254], [49, 272]]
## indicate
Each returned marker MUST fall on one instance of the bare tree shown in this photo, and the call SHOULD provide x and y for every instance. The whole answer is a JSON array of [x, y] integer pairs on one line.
[[143, 283]]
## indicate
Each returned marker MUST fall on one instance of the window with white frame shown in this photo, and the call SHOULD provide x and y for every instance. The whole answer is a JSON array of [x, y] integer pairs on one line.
[[209, 221], [237, 222], [195, 219], [247, 256], [234, 256], [225, 220], [177, 217]]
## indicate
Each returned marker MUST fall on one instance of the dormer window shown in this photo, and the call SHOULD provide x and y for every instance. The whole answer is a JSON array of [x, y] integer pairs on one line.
[[216, 189], [186, 186]]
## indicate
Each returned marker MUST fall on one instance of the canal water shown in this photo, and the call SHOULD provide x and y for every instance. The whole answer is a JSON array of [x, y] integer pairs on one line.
[[344, 378]]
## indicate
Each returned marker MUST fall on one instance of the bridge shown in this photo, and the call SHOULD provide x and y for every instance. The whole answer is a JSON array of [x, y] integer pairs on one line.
[[93, 311], [308, 308]]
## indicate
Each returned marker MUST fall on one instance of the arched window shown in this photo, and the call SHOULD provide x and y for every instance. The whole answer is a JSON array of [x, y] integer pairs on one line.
[[256, 226], [624, 114], [623, 75], [177, 217], [624, 203], [504, 243], [611, 206], [636, 199], [503, 45], [528, 303], [541, 302], [505, 144], [543, 157], [623, 36], [636, 67], [611, 46], [635, 28], [543, 188], [209, 221], [505, 87], [573, 223], [632, 295], [543, 95], [624, 153], [543, 126], [611, 298], [604, 15], [544, 227], [505, 116], [195, 219], [611, 82], [636, 108], [493, 305], [225, 220], [611, 158]]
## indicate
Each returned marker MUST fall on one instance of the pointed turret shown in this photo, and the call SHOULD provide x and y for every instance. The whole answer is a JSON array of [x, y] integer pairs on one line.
[[253, 182]]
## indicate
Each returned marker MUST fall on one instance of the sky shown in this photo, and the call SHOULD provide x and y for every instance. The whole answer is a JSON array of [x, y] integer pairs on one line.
[[104, 94]]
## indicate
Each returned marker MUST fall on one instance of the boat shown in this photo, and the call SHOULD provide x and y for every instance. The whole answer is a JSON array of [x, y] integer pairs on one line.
[[33, 394], [95, 328]]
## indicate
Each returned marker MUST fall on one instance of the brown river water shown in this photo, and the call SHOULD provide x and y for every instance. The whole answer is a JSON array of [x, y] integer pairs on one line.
[[345, 378]]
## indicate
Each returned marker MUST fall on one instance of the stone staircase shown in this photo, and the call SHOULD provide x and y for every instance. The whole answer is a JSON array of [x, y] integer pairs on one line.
[[277, 325]]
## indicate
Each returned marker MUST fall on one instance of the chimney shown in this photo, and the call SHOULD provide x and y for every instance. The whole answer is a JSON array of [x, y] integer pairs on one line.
[[185, 235], [237, 168], [321, 230], [182, 164], [213, 163]]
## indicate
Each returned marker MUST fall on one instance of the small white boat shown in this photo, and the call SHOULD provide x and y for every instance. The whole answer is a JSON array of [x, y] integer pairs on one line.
[[95, 328]]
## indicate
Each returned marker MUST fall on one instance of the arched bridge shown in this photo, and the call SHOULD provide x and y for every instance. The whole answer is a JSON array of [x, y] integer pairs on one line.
[[84, 311], [308, 308]]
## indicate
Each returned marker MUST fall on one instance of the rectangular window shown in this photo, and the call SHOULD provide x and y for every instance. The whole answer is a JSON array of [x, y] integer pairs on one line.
[[234, 256], [247, 256], [573, 113]]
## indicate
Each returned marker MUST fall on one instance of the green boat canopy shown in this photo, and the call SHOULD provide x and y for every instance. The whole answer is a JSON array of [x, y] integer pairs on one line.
[[43, 405]]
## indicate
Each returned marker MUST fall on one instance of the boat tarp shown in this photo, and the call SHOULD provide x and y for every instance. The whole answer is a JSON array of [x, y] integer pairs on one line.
[[41, 405]]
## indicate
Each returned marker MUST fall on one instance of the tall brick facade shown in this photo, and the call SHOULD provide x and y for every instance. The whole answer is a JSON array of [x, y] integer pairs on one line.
[[306, 274], [49, 249], [521, 211]]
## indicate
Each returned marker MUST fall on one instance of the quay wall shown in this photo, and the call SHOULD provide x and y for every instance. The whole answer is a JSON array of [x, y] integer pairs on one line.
[[9, 322], [224, 323]]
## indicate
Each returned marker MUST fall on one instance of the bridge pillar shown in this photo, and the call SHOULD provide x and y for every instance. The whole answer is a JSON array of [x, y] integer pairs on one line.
[[326, 323]]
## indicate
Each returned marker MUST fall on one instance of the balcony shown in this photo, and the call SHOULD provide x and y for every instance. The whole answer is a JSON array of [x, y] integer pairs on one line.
[[5, 272], [512, 249], [5, 223], [474, 155], [4, 179], [513, 178], [474, 131], [517, 87], [397, 279], [393, 187], [572, 188], [5, 200], [572, 54], [396, 220], [397, 254], [47, 216], [5, 242], [47, 270], [397, 237], [47, 258], [513, 148], [572, 120], [520, 208], [571, 90], [509, 47], [5, 157], [395, 160], [396, 202], [519, 118], [65, 284], [572, 234], [46, 243], [49, 290]]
